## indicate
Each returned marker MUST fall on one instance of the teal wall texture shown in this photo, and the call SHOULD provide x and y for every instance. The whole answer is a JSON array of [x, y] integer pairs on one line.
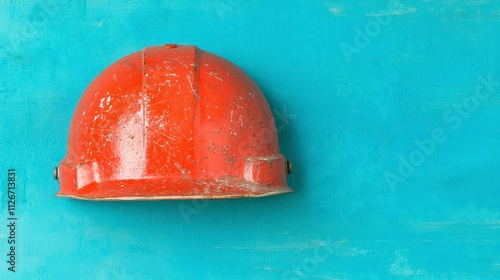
[[389, 111]]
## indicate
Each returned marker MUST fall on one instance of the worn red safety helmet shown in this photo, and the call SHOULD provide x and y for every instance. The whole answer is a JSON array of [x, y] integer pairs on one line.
[[172, 122]]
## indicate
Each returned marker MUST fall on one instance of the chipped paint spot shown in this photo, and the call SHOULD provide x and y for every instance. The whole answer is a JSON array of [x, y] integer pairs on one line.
[[337, 11], [130, 149], [105, 100], [401, 267], [182, 170]]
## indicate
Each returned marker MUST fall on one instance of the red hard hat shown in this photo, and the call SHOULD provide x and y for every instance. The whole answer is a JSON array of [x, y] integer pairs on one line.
[[172, 122]]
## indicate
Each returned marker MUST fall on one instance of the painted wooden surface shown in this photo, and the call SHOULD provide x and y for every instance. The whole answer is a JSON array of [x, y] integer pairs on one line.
[[389, 111]]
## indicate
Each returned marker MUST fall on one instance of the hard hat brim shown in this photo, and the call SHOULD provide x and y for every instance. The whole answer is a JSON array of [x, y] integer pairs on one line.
[[155, 189]]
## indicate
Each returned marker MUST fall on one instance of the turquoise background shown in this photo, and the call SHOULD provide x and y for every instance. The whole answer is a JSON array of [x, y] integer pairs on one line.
[[396, 158]]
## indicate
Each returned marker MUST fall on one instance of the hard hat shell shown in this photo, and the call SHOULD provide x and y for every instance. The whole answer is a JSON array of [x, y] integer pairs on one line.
[[172, 122]]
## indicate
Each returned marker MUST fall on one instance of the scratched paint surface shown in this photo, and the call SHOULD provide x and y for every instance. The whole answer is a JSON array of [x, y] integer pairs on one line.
[[388, 110]]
